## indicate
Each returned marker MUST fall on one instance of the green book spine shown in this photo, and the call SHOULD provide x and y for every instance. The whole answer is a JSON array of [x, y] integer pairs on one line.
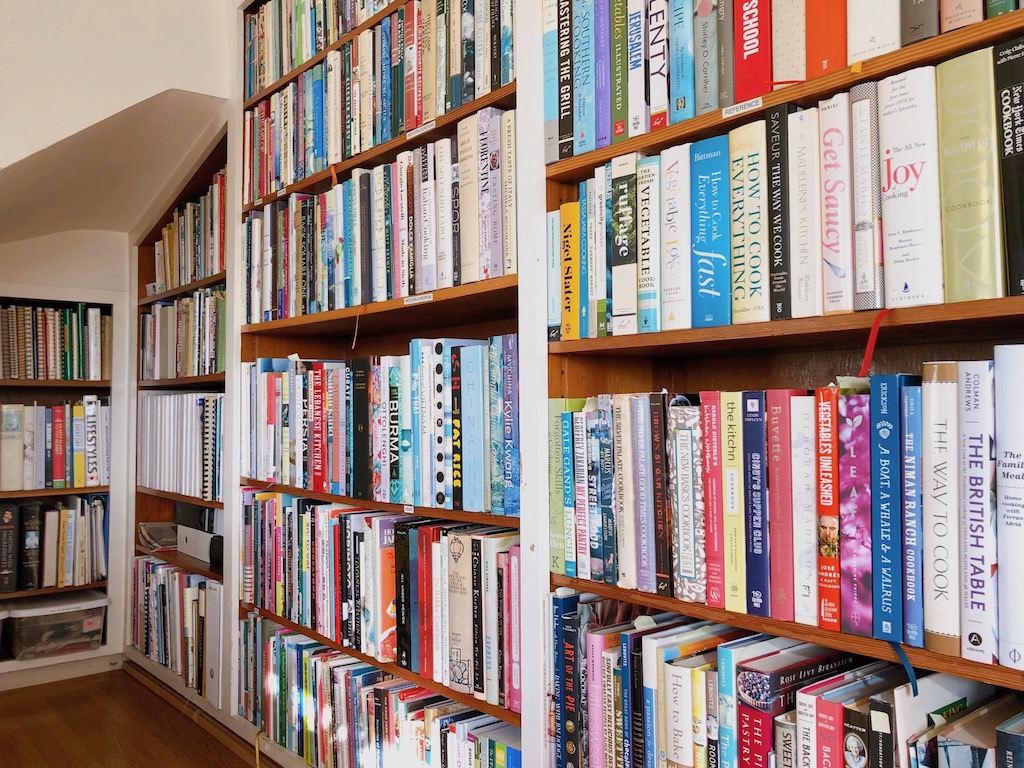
[[620, 68]]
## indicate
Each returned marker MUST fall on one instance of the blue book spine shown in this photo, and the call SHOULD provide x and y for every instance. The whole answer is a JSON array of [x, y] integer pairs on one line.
[[560, 607], [319, 144], [911, 435], [727, 746], [550, 45], [711, 266], [643, 485], [510, 422], [327, 250], [474, 449], [348, 244], [584, 269], [513, 757], [394, 395], [495, 425], [594, 516], [583, 79], [681, 83], [609, 244], [385, 79], [309, 113], [407, 433], [568, 482], [755, 478], [414, 598], [606, 487], [603, 73]]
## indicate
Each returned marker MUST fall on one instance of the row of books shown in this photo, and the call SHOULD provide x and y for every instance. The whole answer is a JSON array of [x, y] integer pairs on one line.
[[869, 508], [176, 622], [438, 216], [336, 711], [438, 427], [55, 446], [664, 690], [881, 197], [440, 599], [53, 542], [390, 80], [614, 69], [191, 247], [179, 443], [73, 342], [184, 337]]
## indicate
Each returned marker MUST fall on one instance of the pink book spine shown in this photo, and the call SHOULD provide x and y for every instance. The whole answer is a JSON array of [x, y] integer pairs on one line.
[[514, 665], [828, 725], [710, 417], [954, 14], [855, 513], [780, 502], [595, 695]]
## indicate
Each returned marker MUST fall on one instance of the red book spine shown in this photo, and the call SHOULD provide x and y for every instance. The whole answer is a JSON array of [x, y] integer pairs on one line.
[[335, 450], [427, 606], [418, 93], [780, 502], [755, 732], [339, 584], [710, 418], [270, 470], [58, 446], [828, 725], [827, 449], [318, 445], [826, 36], [221, 223], [752, 26], [411, 72]]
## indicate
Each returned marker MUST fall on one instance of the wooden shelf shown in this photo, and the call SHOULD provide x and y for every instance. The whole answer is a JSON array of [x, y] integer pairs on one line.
[[55, 384], [186, 562], [183, 382], [184, 290], [390, 668], [42, 492], [441, 514], [878, 649], [52, 590], [504, 97], [941, 322], [486, 300], [926, 52], [179, 497]]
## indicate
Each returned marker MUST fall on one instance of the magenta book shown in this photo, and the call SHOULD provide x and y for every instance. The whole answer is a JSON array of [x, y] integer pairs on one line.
[[855, 513]]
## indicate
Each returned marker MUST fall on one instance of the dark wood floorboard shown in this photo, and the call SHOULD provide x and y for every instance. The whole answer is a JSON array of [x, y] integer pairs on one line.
[[103, 721]]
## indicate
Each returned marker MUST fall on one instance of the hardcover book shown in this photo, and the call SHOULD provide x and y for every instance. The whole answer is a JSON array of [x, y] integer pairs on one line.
[[705, 55], [676, 297], [836, 203], [733, 502], [778, 198], [756, 510], [1009, 78], [789, 42], [749, 215], [752, 30], [1009, 409], [637, 55], [686, 490], [919, 20], [827, 449], [803, 175], [624, 231], [649, 278], [872, 28], [710, 267], [658, 62], [681, 49], [803, 425], [854, 426], [911, 446], [826, 37], [954, 14], [711, 431], [584, 86], [869, 279]]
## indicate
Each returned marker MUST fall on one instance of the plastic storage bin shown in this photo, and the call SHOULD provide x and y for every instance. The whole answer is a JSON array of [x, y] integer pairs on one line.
[[38, 627]]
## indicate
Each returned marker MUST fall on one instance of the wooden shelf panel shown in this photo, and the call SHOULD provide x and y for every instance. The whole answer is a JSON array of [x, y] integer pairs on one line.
[[43, 492], [926, 52], [179, 497], [463, 698], [184, 290], [52, 590], [54, 384], [486, 300], [441, 514], [183, 382], [186, 562], [941, 322], [443, 125], [878, 649]]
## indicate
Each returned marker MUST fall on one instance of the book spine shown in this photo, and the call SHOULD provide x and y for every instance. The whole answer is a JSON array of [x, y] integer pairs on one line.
[[549, 20], [572, 569], [624, 253], [599, 267], [836, 203], [606, 488], [805, 217], [9, 547], [789, 42], [595, 521], [649, 282], [919, 20], [675, 238], [995, 8], [658, 63], [726, 60], [711, 272], [510, 464], [619, 70], [711, 465], [886, 509], [602, 74], [733, 502], [872, 28], [643, 482], [827, 451], [584, 84], [1009, 364], [663, 527], [713, 753], [755, 480], [570, 261], [778, 416], [755, 736], [705, 56], [685, 446], [1009, 80], [954, 15], [855, 545], [566, 93], [637, 56], [625, 499], [586, 229], [748, 211], [752, 30], [910, 447], [869, 282], [826, 37], [681, 82], [780, 247]]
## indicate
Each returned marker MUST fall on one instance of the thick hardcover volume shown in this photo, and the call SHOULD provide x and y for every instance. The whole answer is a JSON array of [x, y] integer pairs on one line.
[[869, 281], [978, 563], [826, 37], [643, 482], [999, 7], [836, 203], [940, 486], [552, 99], [648, 288], [711, 273], [748, 197], [733, 502], [954, 14], [676, 294], [972, 237], [705, 55], [624, 245], [658, 62], [872, 28], [620, 71], [777, 154], [711, 437], [603, 74], [855, 513], [570, 262], [584, 87], [686, 487], [756, 507], [1010, 742], [789, 42], [1009, 370], [803, 430], [726, 62], [360, 428], [31, 543], [1009, 75], [804, 180], [9, 525], [681, 49], [826, 401], [911, 212], [778, 418], [913, 535], [919, 20], [752, 35], [663, 509], [625, 499], [565, 81]]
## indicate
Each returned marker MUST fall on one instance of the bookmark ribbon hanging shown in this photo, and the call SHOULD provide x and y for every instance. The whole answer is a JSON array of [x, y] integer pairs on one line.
[[869, 350], [902, 655]]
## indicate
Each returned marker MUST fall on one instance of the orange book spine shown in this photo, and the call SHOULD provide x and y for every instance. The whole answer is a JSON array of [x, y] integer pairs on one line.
[[826, 400], [826, 36]]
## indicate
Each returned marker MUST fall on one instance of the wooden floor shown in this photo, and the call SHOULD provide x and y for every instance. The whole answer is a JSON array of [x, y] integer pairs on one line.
[[107, 721]]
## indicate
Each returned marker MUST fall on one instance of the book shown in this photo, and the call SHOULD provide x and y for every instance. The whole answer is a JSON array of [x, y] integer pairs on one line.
[[911, 443], [828, 506], [711, 272], [624, 231], [855, 499], [826, 37], [639, 115], [1009, 81], [872, 28], [869, 279], [1008, 360], [756, 507], [676, 295], [918, 20], [778, 199], [836, 204], [789, 43], [658, 31], [752, 50], [649, 246], [803, 429], [953, 15], [748, 196], [804, 176]]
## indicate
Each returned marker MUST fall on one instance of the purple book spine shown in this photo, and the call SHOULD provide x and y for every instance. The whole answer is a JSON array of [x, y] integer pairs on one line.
[[510, 422], [602, 48], [855, 513]]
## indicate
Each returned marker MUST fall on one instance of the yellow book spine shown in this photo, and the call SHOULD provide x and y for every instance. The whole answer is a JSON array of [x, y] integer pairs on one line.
[[748, 198], [78, 445], [570, 270], [732, 493]]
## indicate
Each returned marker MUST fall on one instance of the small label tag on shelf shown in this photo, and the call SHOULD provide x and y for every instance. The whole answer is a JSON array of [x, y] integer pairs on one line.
[[422, 129], [743, 106], [259, 202], [408, 509], [281, 192], [419, 299]]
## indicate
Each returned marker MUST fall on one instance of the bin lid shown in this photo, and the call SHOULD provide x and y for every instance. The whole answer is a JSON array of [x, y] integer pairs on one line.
[[52, 605]]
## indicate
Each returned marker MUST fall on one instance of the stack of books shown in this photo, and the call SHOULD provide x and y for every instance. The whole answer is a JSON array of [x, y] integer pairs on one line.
[[184, 337], [180, 443]]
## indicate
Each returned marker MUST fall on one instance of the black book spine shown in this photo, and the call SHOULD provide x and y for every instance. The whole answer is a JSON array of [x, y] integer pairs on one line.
[[456, 218], [777, 119], [501, 634], [302, 299], [565, 124], [366, 235], [9, 514], [1009, 75], [310, 250], [495, 45], [571, 689], [457, 467], [379, 725], [478, 615], [411, 172], [343, 589], [403, 597], [636, 724], [31, 545], [662, 506], [882, 747], [361, 428], [919, 20], [357, 586]]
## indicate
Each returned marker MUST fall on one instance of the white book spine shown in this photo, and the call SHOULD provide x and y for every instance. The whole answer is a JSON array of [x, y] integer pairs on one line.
[[580, 464], [748, 198], [678, 706], [676, 302], [482, 19], [1009, 372], [592, 273], [443, 158], [869, 291], [624, 270], [494, 265], [426, 273], [509, 237], [836, 203], [625, 533], [28, 463], [872, 28], [648, 198], [469, 202], [554, 276], [658, 61], [978, 564], [378, 253], [636, 80], [338, 247], [804, 213], [805, 543], [599, 255], [789, 42], [401, 212]]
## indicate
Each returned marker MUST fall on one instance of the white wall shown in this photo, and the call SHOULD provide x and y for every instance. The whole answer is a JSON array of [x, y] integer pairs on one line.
[[67, 64], [75, 259]]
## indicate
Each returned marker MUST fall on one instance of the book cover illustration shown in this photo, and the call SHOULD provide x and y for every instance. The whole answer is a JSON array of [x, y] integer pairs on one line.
[[855, 513]]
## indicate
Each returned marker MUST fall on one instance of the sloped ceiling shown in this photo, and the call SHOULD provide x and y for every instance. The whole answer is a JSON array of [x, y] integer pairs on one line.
[[113, 174]]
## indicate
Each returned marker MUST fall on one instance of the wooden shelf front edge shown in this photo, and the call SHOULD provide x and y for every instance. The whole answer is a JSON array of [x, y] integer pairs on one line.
[[55, 383], [183, 290], [409, 509], [182, 381], [179, 497], [52, 590], [926, 52], [187, 562], [503, 97], [391, 668], [867, 646], [43, 492]]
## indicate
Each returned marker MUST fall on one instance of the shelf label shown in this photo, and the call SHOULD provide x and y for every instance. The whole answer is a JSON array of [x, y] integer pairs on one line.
[[259, 202], [743, 106], [281, 192], [409, 509], [422, 129], [421, 298]]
